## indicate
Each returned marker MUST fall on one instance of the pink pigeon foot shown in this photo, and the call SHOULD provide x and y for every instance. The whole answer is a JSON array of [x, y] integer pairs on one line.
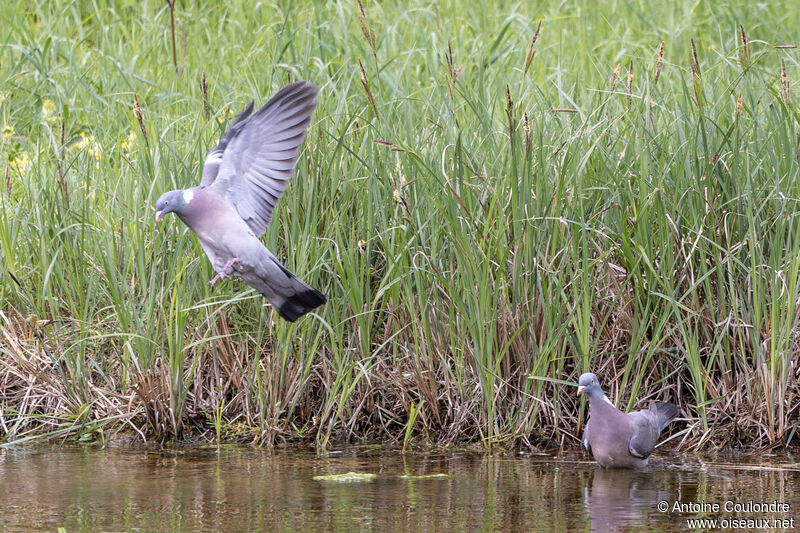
[[230, 263], [225, 271], [216, 278]]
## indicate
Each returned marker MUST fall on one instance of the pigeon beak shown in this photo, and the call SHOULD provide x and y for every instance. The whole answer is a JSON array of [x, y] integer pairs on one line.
[[159, 216], [580, 390]]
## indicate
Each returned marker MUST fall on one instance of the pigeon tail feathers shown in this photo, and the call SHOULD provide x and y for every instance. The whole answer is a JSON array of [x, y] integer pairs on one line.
[[290, 296], [301, 302], [666, 412]]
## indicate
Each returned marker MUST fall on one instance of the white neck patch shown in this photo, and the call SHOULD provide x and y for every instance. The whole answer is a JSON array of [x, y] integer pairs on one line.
[[214, 157], [188, 194]]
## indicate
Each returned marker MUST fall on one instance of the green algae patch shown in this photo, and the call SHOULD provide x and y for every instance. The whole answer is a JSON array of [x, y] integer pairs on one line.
[[348, 477], [425, 476]]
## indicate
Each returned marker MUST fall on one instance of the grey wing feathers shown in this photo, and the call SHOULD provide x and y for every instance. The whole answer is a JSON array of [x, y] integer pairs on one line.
[[214, 157], [259, 154], [647, 425], [644, 434]]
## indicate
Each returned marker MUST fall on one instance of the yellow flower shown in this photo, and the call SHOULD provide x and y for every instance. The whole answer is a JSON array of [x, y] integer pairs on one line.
[[48, 110], [91, 146], [130, 142], [224, 115], [8, 132], [21, 163]]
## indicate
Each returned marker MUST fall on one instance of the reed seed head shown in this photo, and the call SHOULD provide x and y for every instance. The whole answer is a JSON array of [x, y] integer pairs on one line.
[[452, 71], [365, 84], [527, 129], [630, 83], [696, 79], [532, 49], [694, 62], [369, 35], [786, 94], [204, 90], [659, 61], [614, 78], [744, 49], [510, 114], [137, 112]]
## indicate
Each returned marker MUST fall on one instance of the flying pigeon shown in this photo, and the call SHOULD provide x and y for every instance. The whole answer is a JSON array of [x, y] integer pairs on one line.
[[244, 176], [616, 439]]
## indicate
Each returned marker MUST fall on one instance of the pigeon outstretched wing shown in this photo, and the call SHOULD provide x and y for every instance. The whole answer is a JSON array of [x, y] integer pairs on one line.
[[252, 164]]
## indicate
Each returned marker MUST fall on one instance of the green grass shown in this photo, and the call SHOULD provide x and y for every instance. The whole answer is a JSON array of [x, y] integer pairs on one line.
[[473, 224]]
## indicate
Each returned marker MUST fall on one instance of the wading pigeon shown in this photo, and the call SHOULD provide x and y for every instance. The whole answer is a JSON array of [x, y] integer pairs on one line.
[[243, 178], [616, 439]]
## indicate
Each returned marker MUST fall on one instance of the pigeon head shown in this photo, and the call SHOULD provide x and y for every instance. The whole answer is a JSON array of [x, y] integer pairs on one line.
[[173, 202], [589, 385]]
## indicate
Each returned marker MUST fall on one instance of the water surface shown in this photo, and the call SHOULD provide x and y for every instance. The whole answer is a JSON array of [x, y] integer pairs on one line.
[[252, 489]]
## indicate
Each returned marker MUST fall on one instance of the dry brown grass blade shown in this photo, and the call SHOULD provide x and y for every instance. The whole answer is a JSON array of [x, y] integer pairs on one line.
[[35, 391], [152, 387], [26, 367]]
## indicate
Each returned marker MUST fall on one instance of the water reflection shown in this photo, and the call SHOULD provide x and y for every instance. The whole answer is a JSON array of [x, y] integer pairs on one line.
[[246, 489], [617, 500]]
